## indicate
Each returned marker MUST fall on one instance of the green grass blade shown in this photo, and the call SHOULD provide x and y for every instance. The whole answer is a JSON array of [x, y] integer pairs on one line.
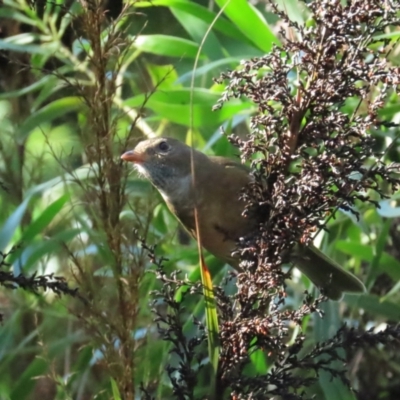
[[211, 322]]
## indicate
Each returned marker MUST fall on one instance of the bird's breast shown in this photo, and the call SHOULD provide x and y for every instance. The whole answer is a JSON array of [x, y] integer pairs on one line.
[[179, 194]]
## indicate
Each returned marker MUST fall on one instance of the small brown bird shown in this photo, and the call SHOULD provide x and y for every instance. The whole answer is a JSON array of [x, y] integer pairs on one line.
[[166, 163]]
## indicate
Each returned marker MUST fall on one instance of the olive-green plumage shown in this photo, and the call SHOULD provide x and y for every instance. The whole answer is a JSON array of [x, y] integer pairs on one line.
[[166, 162]]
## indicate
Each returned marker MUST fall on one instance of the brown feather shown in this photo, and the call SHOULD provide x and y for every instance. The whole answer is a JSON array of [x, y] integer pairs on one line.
[[216, 189]]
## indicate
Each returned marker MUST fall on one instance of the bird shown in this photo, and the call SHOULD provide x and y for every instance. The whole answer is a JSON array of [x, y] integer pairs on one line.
[[218, 181]]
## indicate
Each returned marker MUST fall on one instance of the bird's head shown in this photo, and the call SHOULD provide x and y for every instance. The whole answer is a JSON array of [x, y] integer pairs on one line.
[[165, 162]]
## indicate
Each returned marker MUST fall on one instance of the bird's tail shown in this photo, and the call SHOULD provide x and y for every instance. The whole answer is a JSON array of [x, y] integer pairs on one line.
[[325, 273]]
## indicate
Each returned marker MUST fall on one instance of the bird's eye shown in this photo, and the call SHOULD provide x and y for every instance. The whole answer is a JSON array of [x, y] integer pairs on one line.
[[163, 146]]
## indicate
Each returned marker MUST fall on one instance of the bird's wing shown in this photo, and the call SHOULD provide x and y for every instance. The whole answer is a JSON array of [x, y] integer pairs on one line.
[[221, 210], [229, 163]]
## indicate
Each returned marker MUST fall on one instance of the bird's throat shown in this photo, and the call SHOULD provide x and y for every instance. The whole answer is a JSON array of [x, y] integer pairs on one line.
[[178, 191]]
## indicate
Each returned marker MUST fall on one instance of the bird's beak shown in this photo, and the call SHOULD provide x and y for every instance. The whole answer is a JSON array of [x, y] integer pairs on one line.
[[134, 157]]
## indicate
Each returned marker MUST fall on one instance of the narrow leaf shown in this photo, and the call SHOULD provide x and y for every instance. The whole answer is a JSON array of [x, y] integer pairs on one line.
[[115, 391], [44, 219], [164, 45], [208, 16], [250, 21], [174, 105], [49, 112], [211, 322], [12, 223]]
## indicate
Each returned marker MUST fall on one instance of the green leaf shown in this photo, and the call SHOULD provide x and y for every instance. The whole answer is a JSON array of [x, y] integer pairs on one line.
[[211, 323], [294, 8], [174, 105], [379, 249], [50, 112], [374, 305], [23, 43], [115, 391], [387, 263], [208, 16], [162, 76], [164, 45], [325, 328], [8, 229], [51, 87], [12, 223], [389, 111], [355, 249], [49, 79], [25, 383], [35, 252], [13, 14], [198, 29], [40, 223], [84, 172], [334, 388], [231, 62], [259, 362], [394, 35], [250, 22], [392, 292]]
